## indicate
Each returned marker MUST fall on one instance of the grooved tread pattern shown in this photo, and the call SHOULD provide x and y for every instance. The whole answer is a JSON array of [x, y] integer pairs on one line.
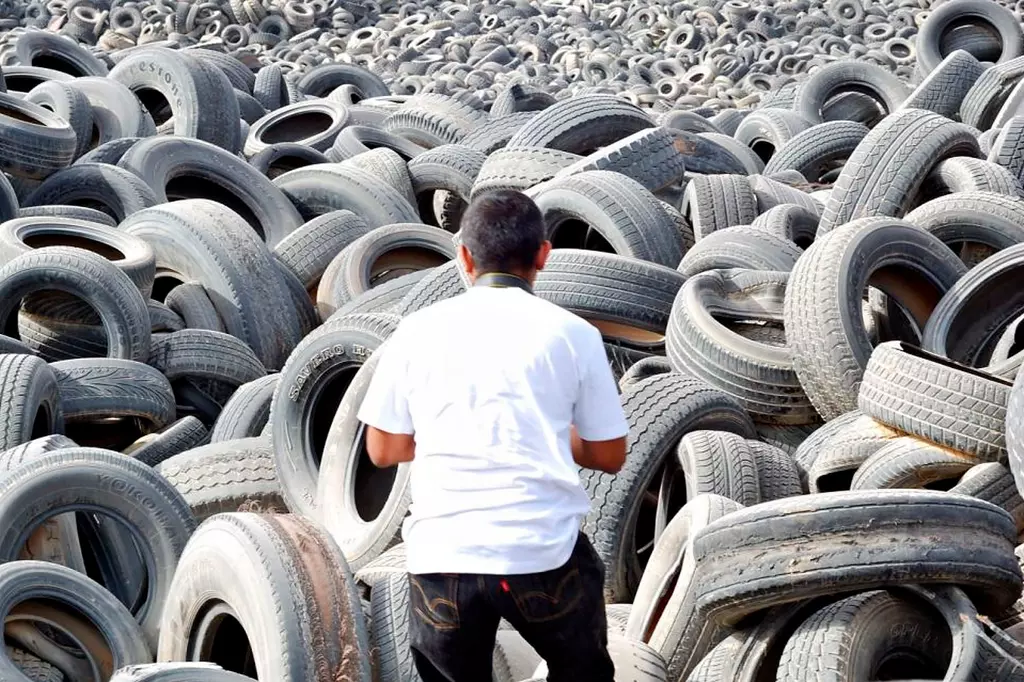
[[815, 151], [389, 629], [582, 124], [943, 90], [95, 388], [520, 168], [909, 462], [965, 174], [777, 476], [1008, 147], [715, 202], [719, 463], [649, 156], [993, 482]]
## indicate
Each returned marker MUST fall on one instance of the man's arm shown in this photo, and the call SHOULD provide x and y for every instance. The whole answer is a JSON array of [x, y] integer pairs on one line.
[[598, 436], [602, 455], [388, 449]]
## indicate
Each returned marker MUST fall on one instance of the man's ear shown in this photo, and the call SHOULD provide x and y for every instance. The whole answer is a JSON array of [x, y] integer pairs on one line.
[[466, 259], [542, 255]]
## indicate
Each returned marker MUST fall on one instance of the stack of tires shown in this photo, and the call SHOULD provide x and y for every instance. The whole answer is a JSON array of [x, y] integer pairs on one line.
[[812, 306]]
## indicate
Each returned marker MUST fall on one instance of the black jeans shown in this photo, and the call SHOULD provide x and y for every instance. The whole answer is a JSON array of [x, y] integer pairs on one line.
[[454, 620]]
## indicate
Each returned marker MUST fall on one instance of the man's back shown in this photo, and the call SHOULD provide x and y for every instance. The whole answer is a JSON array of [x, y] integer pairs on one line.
[[493, 380]]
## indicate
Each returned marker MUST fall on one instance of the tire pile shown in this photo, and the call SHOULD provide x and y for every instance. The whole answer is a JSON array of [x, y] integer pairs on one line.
[[799, 226]]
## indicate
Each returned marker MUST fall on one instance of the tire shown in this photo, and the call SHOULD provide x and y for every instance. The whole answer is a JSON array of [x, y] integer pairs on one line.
[[909, 462], [386, 297], [830, 350], [360, 506], [433, 120], [932, 398], [1008, 147], [437, 284], [767, 130], [977, 555], [964, 332], [176, 672], [117, 113], [389, 633], [247, 412], [191, 302], [110, 292], [887, 169], [719, 463], [582, 125], [660, 411], [187, 86], [64, 211], [494, 134], [643, 369], [520, 168], [190, 169], [278, 159], [958, 175], [627, 218], [715, 202], [846, 76], [993, 482], [95, 389], [312, 386], [944, 88], [184, 434], [777, 474], [627, 299], [758, 375], [1001, 20], [35, 142], [205, 242], [70, 104], [789, 221], [649, 156], [845, 639], [378, 256], [985, 218], [320, 189], [984, 101], [391, 561], [131, 255], [292, 580], [35, 669], [818, 150], [445, 174], [39, 48], [314, 124], [115, 191], [308, 250], [59, 597], [31, 398], [87, 479], [517, 98], [359, 139], [771, 193], [109, 152], [388, 167], [830, 456], [229, 476], [742, 246], [320, 81]]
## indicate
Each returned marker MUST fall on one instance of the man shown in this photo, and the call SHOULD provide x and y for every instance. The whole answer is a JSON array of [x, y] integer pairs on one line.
[[495, 396]]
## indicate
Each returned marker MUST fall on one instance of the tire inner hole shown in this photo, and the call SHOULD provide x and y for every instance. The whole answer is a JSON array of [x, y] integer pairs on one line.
[[372, 485], [51, 237], [403, 261], [187, 186], [156, 104], [576, 234], [58, 63], [219, 637], [298, 127], [325, 400]]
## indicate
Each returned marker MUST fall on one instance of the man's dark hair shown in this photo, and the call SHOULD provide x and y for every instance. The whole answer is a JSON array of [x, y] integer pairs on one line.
[[503, 231]]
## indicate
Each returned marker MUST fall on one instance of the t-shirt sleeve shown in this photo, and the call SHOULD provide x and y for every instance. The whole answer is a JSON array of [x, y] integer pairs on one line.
[[386, 403], [598, 412]]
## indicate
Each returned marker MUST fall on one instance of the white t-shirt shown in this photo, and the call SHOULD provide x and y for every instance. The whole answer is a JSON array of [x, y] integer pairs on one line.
[[490, 382]]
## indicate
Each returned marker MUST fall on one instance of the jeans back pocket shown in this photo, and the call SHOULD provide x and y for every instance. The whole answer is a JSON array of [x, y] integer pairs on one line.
[[435, 599], [545, 597]]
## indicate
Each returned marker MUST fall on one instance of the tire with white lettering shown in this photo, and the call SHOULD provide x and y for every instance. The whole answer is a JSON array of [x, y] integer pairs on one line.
[[660, 411], [360, 505], [312, 385], [380, 255], [228, 476], [145, 505]]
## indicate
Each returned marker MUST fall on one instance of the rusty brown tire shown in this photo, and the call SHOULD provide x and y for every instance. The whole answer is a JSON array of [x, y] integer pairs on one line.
[[268, 596]]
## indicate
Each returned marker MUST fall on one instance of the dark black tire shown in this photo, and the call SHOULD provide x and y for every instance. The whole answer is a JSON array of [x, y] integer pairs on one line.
[[178, 169], [35, 141], [818, 150], [278, 159], [715, 202], [37, 593], [229, 476], [760, 376], [887, 169], [247, 412], [935, 399], [186, 86], [845, 76], [109, 152], [942, 19], [109, 291], [199, 240], [294, 579], [627, 219], [380, 255], [312, 385], [660, 411], [31, 399], [629, 300], [101, 388], [184, 434], [87, 479], [944, 88], [115, 191], [320, 189], [823, 309], [743, 247], [191, 302], [582, 125]]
